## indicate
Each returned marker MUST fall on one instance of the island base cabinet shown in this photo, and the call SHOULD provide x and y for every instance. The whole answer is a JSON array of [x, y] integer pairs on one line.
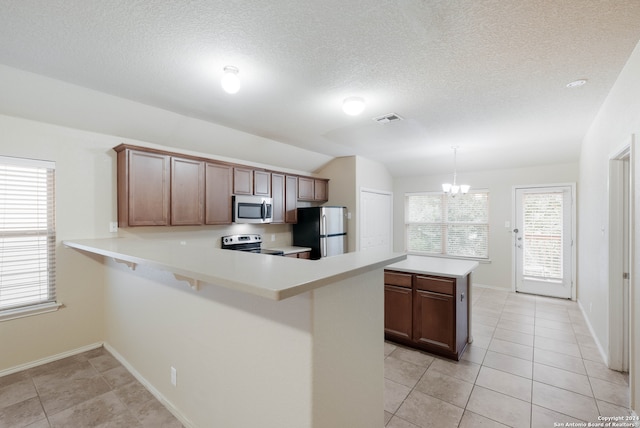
[[426, 312], [434, 320], [397, 312]]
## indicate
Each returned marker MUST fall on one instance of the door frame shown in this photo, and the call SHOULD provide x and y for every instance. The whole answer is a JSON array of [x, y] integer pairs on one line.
[[617, 360], [573, 269]]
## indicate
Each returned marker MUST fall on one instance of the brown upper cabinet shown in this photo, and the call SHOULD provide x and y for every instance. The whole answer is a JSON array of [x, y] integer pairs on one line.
[[218, 185], [313, 189], [242, 181], [187, 192], [143, 188], [249, 182], [159, 188]]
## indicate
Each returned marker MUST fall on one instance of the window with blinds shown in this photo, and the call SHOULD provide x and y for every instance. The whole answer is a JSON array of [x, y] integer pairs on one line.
[[27, 234], [543, 237], [439, 224]]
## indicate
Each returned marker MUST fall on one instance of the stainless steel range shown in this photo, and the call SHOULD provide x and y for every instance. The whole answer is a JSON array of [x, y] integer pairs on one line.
[[248, 243]]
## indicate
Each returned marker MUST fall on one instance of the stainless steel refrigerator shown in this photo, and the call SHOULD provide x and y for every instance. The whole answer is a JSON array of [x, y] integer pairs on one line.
[[323, 229]]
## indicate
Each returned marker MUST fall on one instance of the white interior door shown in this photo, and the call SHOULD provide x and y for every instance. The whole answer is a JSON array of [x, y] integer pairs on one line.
[[543, 240], [375, 220]]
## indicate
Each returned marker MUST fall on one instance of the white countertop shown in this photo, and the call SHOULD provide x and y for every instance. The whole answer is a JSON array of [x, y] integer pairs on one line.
[[268, 276], [435, 266]]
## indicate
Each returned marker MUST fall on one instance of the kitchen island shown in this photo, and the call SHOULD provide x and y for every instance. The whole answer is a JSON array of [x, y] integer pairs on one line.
[[256, 340], [428, 304]]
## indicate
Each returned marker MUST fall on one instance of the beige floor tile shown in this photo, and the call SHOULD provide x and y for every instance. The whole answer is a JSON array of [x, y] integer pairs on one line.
[[585, 339], [505, 383], [482, 330], [609, 409], [599, 370], [513, 336], [397, 422], [22, 413], [387, 417], [513, 349], [394, 395], [489, 321], [509, 364], [474, 354], [104, 362], [133, 395], [541, 417], [463, 370], [444, 387], [412, 356], [42, 423], [557, 346], [13, 378], [610, 392], [579, 328], [591, 353], [555, 325], [563, 401], [118, 376], [520, 319], [563, 336], [17, 392], [518, 326], [153, 415], [427, 412], [562, 379], [96, 411], [72, 371], [480, 340], [530, 312], [552, 316], [389, 348], [561, 361], [56, 365], [61, 396], [402, 372], [499, 407], [474, 420]]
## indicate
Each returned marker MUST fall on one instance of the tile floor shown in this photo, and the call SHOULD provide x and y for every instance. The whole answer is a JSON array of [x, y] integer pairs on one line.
[[533, 362], [91, 389]]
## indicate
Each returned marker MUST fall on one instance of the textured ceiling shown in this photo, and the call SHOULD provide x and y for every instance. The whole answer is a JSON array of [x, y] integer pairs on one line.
[[486, 75]]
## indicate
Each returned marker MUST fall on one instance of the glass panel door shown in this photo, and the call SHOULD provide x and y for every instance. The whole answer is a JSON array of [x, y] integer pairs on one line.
[[543, 241]]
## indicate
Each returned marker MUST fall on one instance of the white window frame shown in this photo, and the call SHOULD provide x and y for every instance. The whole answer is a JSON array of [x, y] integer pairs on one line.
[[445, 223], [9, 230]]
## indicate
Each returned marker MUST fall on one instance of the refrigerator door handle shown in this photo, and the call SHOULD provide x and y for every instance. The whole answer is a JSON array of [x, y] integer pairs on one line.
[[324, 232]]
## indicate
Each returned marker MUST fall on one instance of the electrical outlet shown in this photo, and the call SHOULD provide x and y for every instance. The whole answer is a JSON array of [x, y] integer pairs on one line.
[[174, 376], [113, 226]]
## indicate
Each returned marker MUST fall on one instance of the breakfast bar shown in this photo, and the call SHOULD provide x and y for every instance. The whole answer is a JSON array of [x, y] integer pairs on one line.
[[298, 341]]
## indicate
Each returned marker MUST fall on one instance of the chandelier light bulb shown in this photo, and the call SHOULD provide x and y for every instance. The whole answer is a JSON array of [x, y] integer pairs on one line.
[[454, 189], [230, 81], [353, 106]]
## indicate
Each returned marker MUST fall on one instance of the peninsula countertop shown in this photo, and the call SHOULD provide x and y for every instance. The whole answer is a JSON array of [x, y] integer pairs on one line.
[[268, 276], [439, 266]]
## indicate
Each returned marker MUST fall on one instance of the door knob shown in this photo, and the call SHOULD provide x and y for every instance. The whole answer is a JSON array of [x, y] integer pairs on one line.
[[515, 230]]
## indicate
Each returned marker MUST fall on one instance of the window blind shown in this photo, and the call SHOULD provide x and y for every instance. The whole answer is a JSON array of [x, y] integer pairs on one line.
[[543, 235], [453, 226], [27, 233]]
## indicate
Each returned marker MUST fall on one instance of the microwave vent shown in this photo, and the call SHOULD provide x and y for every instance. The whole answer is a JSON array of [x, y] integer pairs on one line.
[[388, 118]]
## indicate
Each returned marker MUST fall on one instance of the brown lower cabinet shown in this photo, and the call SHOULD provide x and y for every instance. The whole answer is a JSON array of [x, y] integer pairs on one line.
[[426, 312]]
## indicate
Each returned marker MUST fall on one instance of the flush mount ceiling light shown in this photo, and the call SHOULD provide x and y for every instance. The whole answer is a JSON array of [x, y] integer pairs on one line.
[[454, 189], [353, 106], [577, 83], [230, 81]]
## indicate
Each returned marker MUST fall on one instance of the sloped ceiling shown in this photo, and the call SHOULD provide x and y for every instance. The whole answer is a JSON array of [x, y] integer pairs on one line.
[[488, 76]]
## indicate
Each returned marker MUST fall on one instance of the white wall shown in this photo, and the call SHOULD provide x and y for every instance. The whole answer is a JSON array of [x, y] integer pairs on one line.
[[500, 184], [617, 120]]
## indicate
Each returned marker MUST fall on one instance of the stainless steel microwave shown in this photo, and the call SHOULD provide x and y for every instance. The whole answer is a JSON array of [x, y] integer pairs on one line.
[[252, 209]]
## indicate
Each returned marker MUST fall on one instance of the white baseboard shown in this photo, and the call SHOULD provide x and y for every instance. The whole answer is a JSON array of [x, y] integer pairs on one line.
[[50, 359], [603, 354], [183, 419]]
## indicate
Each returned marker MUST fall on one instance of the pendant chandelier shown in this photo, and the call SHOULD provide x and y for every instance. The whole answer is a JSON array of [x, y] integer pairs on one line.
[[454, 189]]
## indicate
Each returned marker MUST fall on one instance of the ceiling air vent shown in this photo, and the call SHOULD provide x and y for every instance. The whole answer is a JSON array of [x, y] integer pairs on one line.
[[388, 118]]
